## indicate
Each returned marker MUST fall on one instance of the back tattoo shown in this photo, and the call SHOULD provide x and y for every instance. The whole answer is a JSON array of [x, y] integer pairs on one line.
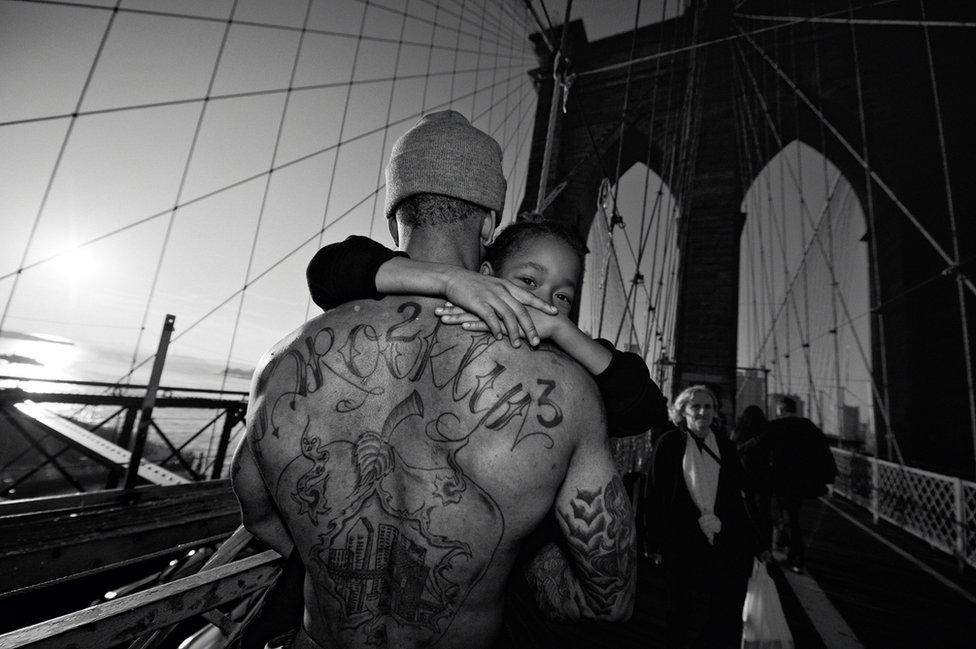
[[402, 533]]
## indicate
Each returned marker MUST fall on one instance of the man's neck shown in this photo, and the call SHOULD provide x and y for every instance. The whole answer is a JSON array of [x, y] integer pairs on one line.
[[443, 247]]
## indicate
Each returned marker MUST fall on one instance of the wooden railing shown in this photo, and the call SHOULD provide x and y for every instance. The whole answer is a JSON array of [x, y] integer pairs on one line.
[[144, 618], [47, 541]]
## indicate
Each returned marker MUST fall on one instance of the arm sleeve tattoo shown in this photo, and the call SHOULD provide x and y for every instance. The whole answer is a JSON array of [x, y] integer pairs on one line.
[[591, 577]]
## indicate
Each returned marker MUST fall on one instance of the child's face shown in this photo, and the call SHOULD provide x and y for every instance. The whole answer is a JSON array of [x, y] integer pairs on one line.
[[546, 267]]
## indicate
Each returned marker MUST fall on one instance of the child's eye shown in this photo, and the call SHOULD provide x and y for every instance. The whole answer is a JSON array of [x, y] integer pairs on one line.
[[564, 298], [528, 281]]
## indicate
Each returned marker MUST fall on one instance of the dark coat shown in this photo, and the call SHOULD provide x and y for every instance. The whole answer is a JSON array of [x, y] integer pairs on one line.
[[802, 464], [672, 516], [755, 450]]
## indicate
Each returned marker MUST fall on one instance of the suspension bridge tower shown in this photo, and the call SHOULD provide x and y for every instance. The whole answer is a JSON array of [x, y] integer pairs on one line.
[[707, 99]]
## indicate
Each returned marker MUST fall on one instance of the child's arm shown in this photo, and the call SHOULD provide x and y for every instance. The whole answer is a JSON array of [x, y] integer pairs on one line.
[[346, 271], [359, 268], [633, 401]]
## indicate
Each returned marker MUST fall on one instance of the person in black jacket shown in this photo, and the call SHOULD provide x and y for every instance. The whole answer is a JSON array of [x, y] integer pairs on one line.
[[802, 467], [698, 523], [753, 441]]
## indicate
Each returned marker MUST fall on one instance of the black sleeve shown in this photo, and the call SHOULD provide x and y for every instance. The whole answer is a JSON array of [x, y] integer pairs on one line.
[[753, 535], [345, 271], [656, 492], [633, 401]]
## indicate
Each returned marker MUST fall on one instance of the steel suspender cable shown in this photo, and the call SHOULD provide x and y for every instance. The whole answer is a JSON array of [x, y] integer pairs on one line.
[[301, 246], [295, 250], [342, 127], [542, 30], [230, 186], [179, 192], [883, 410], [872, 220], [883, 22], [839, 394], [386, 120], [457, 44], [559, 63], [759, 207]]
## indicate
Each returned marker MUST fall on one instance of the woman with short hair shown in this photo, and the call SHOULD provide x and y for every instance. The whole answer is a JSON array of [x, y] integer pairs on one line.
[[697, 521]]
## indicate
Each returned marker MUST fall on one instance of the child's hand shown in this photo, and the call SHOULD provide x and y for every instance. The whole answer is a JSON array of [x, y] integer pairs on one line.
[[499, 304], [545, 325]]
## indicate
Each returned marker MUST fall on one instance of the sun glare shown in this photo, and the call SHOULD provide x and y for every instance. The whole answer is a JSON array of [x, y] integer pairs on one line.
[[76, 265]]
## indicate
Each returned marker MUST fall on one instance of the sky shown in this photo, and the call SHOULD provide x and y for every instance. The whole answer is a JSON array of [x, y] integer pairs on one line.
[[144, 142], [121, 171]]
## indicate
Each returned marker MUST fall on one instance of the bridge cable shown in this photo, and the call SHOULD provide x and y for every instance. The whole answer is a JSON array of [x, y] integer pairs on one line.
[[386, 120], [232, 185], [542, 30], [813, 394], [57, 162], [685, 144], [884, 22], [872, 217], [179, 191], [631, 309], [760, 207], [835, 331], [877, 179], [655, 218], [950, 205], [251, 93], [618, 220], [659, 298], [717, 41], [315, 235], [267, 188], [883, 409]]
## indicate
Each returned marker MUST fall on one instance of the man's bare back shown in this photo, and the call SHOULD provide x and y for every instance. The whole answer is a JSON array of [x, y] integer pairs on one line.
[[407, 460]]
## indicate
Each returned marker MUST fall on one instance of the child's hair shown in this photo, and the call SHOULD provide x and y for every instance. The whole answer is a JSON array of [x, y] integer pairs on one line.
[[529, 226]]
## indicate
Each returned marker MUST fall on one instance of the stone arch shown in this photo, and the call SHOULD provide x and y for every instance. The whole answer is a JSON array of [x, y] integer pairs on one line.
[[799, 350]]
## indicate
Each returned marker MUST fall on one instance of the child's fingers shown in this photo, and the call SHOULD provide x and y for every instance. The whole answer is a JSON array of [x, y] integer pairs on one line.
[[459, 318], [529, 299], [449, 310]]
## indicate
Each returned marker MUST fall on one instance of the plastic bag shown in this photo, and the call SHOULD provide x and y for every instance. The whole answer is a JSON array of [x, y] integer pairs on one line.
[[764, 624]]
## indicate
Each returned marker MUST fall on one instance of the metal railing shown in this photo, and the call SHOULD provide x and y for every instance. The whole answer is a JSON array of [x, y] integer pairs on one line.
[[190, 432], [936, 508]]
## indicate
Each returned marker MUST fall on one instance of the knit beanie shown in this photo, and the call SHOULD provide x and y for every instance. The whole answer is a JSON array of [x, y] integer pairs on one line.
[[444, 154]]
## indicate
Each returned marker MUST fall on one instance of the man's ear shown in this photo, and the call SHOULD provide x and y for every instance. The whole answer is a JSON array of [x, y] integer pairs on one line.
[[486, 269], [394, 232], [488, 228]]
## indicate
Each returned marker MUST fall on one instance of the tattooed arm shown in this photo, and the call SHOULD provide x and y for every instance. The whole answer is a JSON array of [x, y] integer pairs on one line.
[[591, 575]]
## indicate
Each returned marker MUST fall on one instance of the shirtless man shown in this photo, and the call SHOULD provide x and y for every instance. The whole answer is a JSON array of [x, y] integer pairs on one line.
[[406, 461]]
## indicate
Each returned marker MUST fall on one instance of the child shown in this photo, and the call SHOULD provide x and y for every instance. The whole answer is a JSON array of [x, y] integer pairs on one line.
[[543, 257]]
